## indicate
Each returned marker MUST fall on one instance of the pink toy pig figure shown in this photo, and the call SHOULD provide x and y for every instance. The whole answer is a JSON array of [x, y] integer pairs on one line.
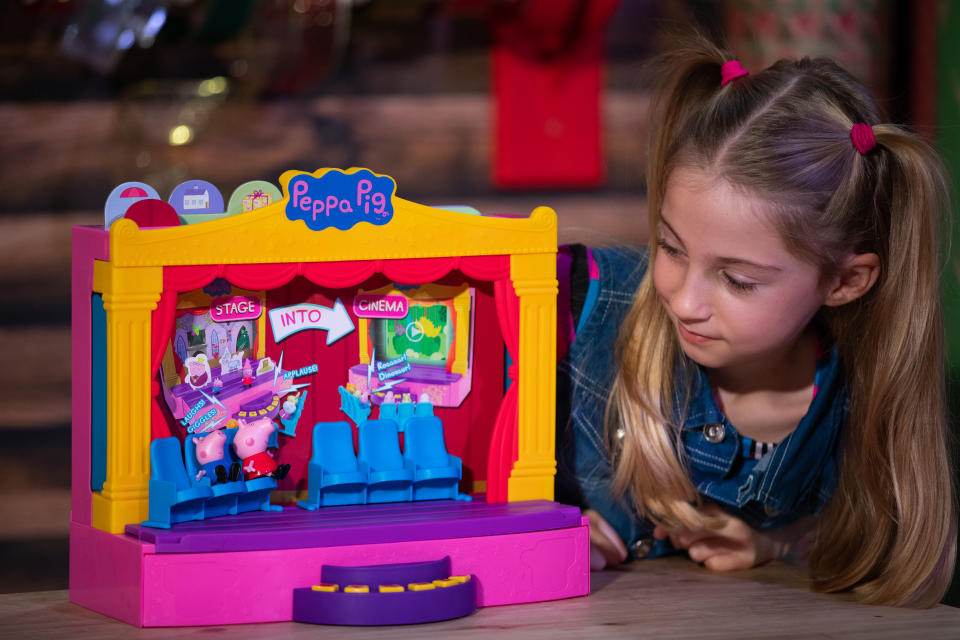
[[250, 443], [198, 371], [247, 373], [209, 451]]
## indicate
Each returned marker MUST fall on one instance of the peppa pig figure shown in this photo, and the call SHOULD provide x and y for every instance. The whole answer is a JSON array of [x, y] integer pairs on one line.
[[209, 452], [198, 371], [250, 443], [247, 372]]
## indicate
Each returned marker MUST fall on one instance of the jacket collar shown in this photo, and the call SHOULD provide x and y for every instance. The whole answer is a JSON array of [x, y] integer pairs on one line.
[[786, 474]]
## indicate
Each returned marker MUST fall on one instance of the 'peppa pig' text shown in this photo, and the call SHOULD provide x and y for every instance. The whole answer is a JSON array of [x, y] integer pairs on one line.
[[341, 200]]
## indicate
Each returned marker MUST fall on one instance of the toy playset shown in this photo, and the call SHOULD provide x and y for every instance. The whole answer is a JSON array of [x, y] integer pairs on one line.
[[336, 396]]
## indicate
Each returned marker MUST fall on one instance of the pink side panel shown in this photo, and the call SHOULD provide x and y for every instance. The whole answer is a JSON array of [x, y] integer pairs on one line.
[[105, 570], [89, 244], [257, 586]]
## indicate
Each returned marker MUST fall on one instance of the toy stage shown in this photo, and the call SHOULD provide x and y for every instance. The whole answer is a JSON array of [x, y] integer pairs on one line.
[[316, 380]]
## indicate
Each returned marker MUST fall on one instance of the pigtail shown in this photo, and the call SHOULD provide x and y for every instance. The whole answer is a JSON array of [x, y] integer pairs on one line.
[[889, 533], [688, 78], [640, 416]]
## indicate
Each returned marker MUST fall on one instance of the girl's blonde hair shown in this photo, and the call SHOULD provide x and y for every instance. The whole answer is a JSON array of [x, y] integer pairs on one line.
[[783, 135]]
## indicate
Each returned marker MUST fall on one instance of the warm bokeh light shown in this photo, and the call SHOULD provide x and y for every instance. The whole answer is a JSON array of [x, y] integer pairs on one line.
[[180, 135], [212, 87]]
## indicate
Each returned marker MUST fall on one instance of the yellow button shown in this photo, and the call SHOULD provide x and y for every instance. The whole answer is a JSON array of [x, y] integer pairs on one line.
[[446, 582], [459, 578], [391, 588], [421, 586], [357, 588], [326, 587]]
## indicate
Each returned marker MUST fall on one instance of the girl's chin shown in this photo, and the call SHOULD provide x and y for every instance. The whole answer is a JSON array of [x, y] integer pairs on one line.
[[701, 355]]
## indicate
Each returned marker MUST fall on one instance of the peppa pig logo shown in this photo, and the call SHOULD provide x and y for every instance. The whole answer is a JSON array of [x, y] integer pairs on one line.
[[341, 200]]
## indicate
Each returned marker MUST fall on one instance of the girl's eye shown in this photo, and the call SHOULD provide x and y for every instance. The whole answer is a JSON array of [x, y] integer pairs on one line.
[[669, 249], [738, 285]]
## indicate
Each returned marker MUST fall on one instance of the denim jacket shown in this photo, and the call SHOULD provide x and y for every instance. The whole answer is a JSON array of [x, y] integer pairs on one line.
[[793, 480]]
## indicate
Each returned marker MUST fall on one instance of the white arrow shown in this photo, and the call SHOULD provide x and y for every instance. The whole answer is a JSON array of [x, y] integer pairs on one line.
[[286, 321]]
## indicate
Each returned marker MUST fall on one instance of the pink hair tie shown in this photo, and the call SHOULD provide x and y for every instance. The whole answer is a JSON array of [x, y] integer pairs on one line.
[[862, 136], [731, 70]]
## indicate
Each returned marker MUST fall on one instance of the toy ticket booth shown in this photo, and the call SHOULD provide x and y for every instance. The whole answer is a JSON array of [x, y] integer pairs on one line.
[[331, 376]]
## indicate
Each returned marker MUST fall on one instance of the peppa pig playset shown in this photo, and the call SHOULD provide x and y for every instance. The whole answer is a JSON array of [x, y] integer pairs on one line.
[[350, 380]]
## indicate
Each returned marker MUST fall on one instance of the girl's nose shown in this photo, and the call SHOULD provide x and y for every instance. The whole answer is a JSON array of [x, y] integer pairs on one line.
[[690, 302]]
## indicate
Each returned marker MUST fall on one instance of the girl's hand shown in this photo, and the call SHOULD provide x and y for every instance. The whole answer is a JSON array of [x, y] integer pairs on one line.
[[735, 545], [606, 547]]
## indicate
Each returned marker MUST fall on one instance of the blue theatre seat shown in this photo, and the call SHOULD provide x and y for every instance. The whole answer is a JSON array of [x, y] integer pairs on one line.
[[350, 405], [288, 425], [333, 477], [388, 411], [401, 412], [388, 480], [174, 496], [225, 494], [437, 473], [424, 407], [404, 412]]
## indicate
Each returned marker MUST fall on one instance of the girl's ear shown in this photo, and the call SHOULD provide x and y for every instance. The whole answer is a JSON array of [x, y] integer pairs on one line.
[[855, 278]]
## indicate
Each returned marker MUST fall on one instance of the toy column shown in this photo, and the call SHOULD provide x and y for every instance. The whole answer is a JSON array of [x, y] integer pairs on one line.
[[535, 282], [130, 294]]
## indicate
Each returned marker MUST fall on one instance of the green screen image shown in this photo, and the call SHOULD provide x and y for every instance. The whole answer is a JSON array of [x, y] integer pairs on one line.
[[424, 335]]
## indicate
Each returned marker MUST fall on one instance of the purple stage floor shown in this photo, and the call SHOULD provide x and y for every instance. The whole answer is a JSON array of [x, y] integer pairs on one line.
[[295, 528]]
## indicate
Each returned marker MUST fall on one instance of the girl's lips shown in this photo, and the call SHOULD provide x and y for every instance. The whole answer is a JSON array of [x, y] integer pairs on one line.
[[690, 336]]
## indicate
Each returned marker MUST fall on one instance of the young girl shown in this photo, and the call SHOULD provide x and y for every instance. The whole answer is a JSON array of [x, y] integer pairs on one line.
[[778, 371]]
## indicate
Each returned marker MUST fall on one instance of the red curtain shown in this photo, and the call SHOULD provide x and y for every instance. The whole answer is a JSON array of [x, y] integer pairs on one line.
[[504, 445], [338, 275], [161, 326]]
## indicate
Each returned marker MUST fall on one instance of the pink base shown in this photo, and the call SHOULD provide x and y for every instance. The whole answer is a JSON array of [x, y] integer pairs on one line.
[[105, 572], [123, 578]]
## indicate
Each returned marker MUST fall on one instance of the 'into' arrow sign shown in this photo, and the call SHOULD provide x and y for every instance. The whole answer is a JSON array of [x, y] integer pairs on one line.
[[286, 321]]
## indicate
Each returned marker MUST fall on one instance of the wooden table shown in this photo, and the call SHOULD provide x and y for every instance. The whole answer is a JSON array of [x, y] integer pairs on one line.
[[666, 598]]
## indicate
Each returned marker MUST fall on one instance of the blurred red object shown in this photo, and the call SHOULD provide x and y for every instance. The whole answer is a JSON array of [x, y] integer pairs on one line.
[[548, 83]]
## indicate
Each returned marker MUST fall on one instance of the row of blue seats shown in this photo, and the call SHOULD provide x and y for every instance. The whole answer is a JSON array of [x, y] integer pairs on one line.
[[379, 471], [398, 411], [178, 495]]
